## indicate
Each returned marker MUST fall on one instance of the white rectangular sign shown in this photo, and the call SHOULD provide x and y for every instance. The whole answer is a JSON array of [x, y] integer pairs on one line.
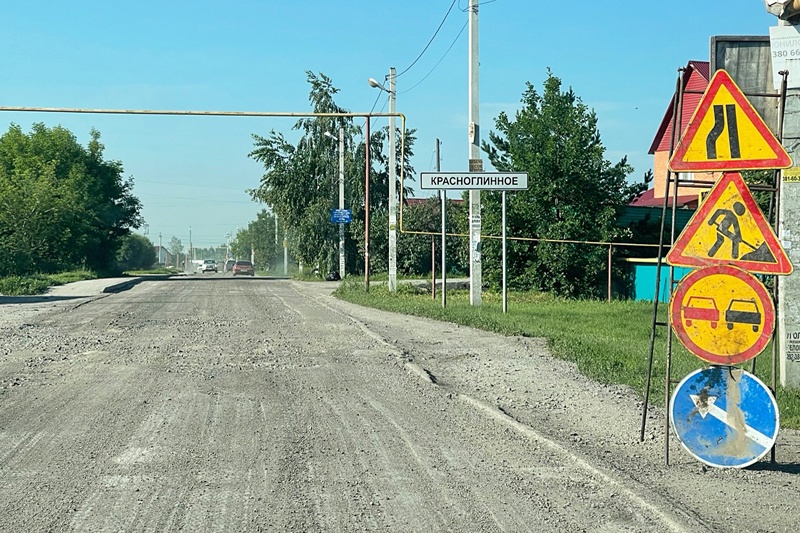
[[784, 44], [491, 181]]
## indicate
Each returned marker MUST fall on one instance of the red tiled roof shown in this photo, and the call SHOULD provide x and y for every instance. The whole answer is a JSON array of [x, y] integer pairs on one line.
[[695, 82], [647, 199], [418, 201]]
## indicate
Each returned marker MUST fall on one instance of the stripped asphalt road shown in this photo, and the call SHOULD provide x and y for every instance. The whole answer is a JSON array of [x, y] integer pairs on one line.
[[208, 403]]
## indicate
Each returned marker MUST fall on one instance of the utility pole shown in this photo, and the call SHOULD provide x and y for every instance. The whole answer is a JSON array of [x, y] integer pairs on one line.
[[159, 250], [443, 198], [788, 326], [392, 187], [341, 202], [475, 162]]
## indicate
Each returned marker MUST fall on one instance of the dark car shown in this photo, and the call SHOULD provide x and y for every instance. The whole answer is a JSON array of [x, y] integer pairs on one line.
[[741, 311], [243, 268]]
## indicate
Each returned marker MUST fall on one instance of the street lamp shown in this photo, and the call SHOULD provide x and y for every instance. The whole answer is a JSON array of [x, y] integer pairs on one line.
[[788, 10], [341, 196], [392, 180]]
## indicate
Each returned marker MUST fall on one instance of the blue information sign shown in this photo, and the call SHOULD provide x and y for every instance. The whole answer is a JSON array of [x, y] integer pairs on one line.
[[724, 416], [341, 216]]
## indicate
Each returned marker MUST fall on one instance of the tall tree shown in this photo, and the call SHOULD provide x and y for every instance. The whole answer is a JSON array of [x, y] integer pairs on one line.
[[176, 249], [259, 237], [136, 252], [62, 206], [574, 194], [301, 181]]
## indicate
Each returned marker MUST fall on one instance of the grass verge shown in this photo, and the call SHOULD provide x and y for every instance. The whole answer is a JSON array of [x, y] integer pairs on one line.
[[39, 283], [609, 341]]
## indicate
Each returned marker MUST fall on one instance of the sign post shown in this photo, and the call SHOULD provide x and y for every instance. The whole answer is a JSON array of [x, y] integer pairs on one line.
[[493, 181]]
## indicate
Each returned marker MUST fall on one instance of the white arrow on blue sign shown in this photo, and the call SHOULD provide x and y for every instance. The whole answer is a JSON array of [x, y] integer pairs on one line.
[[724, 416]]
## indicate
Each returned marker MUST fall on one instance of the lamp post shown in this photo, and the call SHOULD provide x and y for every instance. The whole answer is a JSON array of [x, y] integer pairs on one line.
[[341, 197], [366, 205], [392, 180]]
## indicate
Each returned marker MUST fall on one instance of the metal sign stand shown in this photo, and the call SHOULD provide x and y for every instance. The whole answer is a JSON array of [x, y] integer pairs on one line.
[[673, 184]]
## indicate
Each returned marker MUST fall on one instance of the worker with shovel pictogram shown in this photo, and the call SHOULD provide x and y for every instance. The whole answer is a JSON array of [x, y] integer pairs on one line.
[[727, 223]]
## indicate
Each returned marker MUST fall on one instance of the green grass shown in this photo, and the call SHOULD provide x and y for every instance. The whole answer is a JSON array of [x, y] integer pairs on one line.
[[609, 341], [149, 271], [39, 283]]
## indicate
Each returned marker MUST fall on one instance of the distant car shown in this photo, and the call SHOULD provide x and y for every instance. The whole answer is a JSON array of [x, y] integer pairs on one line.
[[208, 265], [228, 266], [243, 268]]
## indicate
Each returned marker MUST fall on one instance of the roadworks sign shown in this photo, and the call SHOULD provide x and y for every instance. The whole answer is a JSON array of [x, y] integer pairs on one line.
[[730, 229], [727, 133]]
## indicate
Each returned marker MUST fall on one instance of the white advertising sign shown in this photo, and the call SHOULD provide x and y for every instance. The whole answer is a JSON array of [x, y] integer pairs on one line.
[[784, 44]]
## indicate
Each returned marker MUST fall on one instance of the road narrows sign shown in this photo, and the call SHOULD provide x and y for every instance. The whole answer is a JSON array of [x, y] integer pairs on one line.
[[722, 314], [724, 416], [727, 133], [729, 228]]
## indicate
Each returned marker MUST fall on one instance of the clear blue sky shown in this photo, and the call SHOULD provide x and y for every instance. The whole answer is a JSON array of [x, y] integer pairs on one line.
[[620, 57]]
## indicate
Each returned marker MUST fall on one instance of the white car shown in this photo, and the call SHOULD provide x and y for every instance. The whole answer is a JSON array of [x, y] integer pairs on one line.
[[208, 265]]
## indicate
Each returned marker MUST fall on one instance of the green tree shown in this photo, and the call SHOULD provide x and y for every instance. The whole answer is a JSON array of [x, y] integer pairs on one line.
[[176, 249], [574, 194], [301, 181], [414, 250], [136, 252], [259, 237], [62, 206]]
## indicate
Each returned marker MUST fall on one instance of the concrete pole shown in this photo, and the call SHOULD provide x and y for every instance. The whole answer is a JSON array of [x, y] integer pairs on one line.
[[341, 202], [392, 187], [443, 197], [366, 206], [788, 330], [475, 163]]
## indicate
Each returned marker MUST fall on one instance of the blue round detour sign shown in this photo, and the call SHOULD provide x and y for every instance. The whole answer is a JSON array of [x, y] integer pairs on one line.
[[724, 416]]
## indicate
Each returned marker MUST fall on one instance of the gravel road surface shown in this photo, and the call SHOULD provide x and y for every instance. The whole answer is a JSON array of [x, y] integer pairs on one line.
[[212, 403]]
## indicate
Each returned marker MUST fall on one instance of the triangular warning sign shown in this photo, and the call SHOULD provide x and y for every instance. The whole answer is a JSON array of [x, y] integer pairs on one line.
[[730, 229], [726, 133]]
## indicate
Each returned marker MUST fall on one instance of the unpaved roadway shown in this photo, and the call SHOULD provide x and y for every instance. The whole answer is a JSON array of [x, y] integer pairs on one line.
[[211, 403]]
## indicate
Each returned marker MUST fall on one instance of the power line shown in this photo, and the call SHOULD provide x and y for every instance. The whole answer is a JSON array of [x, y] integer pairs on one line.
[[429, 42], [440, 60]]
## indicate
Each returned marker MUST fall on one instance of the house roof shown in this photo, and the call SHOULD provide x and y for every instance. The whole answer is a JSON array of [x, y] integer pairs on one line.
[[634, 214], [418, 201], [695, 81], [647, 199]]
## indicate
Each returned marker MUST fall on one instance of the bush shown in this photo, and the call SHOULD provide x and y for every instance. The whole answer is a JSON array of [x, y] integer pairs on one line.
[[17, 286]]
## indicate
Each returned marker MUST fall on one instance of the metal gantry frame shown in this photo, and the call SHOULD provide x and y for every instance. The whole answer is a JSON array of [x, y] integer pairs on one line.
[[673, 184], [367, 116]]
